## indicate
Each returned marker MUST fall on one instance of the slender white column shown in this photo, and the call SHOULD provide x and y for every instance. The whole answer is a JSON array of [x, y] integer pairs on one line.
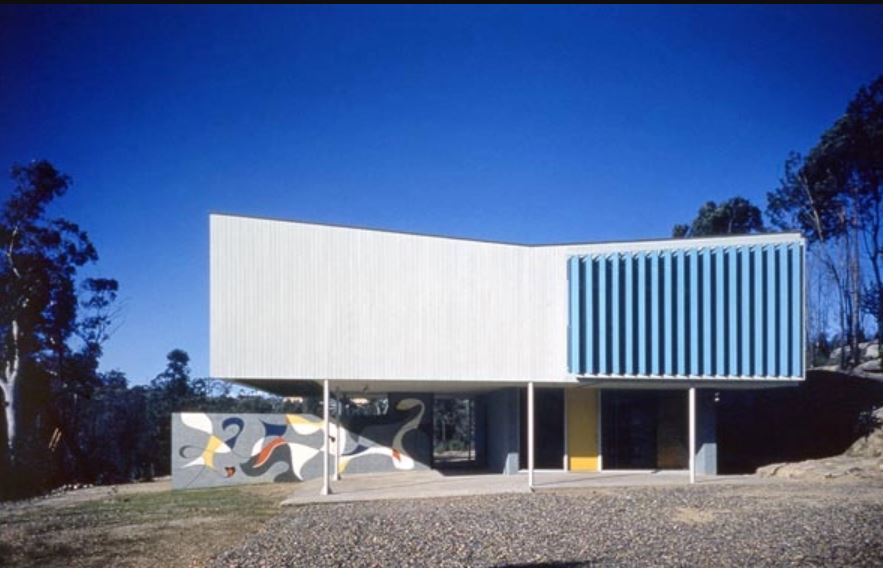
[[566, 465], [326, 487], [338, 437], [530, 435], [692, 418]]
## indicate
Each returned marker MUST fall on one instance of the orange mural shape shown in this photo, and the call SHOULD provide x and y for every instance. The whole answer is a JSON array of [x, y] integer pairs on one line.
[[268, 449]]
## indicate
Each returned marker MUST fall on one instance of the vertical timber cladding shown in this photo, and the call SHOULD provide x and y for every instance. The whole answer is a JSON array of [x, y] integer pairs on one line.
[[726, 311], [582, 429]]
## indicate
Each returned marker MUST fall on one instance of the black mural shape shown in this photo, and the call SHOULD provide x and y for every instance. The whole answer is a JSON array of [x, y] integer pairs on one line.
[[373, 431], [281, 453]]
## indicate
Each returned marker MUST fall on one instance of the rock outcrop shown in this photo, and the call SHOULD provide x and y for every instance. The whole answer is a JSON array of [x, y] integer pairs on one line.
[[863, 459]]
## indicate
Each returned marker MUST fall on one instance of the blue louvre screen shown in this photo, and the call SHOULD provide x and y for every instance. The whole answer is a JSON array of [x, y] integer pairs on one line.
[[724, 311]]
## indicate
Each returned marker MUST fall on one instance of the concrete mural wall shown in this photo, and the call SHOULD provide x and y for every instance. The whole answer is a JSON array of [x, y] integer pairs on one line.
[[210, 450]]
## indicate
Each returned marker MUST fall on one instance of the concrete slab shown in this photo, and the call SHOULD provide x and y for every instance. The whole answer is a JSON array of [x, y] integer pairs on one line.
[[624, 478], [405, 485], [430, 484]]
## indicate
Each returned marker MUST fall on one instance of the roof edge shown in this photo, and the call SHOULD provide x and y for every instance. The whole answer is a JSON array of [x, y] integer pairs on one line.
[[645, 241]]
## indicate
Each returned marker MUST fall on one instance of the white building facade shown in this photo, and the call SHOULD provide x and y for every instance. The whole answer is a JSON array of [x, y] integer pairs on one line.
[[538, 335]]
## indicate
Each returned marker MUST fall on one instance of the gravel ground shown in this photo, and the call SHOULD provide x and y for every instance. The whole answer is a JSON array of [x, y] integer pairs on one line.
[[771, 524]]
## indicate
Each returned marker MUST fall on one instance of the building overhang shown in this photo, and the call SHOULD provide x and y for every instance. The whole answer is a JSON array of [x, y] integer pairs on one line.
[[310, 387]]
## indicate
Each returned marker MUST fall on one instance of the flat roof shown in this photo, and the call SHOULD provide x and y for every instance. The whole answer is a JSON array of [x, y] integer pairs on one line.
[[693, 241]]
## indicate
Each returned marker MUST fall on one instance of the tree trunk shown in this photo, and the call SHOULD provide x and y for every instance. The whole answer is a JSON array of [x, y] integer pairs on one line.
[[9, 384], [875, 263], [874, 255], [844, 327], [856, 300]]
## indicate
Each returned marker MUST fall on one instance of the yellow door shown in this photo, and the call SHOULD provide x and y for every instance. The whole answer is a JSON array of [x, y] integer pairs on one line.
[[582, 429]]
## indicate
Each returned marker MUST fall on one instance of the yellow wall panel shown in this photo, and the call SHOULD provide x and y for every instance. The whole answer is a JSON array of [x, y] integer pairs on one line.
[[582, 429]]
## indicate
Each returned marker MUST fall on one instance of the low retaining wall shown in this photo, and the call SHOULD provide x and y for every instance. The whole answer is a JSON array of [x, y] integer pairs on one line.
[[210, 450]]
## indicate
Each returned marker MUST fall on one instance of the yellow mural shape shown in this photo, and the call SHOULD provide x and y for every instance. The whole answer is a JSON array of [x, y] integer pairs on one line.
[[582, 429], [302, 425], [208, 456]]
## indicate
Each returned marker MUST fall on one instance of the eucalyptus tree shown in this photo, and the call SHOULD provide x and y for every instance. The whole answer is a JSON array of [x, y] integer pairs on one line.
[[834, 195], [40, 303]]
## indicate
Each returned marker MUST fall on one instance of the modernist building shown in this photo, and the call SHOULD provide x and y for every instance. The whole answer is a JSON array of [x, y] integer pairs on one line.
[[580, 356]]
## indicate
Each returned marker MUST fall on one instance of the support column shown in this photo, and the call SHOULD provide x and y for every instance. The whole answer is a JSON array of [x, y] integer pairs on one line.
[[338, 437], [481, 434], [530, 435], [692, 420], [566, 465], [706, 433], [326, 486]]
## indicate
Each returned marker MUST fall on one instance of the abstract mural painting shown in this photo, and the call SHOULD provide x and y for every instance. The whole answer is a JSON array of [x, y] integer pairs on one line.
[[366, 445], [211, 450]]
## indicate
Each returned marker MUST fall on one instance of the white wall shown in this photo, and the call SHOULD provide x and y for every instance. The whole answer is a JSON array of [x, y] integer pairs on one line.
[[305, 301]]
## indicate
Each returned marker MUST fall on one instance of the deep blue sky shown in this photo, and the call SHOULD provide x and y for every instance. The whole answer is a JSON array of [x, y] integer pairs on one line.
[[515, 124]]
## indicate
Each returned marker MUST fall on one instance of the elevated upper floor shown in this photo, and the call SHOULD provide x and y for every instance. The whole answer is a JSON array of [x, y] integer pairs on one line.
[[292, 300]]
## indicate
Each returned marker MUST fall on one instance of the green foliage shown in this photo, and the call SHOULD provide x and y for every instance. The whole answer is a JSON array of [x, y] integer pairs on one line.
[[110, 433], [97, 301], [453, 424], [838, 183], [174, 383], [172, 390], [735, 216]]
